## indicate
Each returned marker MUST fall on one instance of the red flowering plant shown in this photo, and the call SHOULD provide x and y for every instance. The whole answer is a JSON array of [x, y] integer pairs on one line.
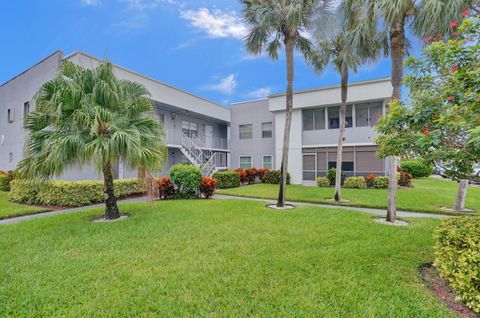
[[369, 179], [440, 123], [251, 175], [166, 188], [404, 179], [261, 173], [243, 176], [207, 187]]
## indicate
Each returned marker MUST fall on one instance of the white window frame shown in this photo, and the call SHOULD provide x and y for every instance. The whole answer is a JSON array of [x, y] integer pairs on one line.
[[239, 132], [245, 156], [271, 161], [268, 130]]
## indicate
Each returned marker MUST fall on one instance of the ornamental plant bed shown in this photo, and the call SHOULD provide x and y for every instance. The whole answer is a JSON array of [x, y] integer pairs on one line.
[[440, 287]]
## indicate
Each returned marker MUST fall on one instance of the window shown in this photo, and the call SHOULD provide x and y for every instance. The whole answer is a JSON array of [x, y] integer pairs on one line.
[[314, 119], [26, 111], [189, 129], [245, 162], [245, 131], [309, 166], [368, 114], [267, 162], [334, 117], [10, 157], [10, 115], [267, 130]]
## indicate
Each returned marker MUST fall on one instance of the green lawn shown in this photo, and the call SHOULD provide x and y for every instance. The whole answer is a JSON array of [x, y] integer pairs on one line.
[[216, 258], [427, 195], [9, 209]]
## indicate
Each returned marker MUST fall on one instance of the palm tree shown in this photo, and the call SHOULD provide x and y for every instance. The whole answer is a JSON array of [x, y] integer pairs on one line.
[[334, 47], [423, 18], [273, 23], [88, 116]]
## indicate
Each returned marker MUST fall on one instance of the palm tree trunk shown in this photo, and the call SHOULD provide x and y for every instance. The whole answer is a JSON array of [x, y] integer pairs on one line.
[[111, 208], [289, 46], [341, 136], [461, 195], [397, 44]]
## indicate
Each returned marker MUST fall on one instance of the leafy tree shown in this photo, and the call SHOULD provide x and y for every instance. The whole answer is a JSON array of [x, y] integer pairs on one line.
[[335, 47], [422, 18], [442, 121], [88, 116], [277, 23]]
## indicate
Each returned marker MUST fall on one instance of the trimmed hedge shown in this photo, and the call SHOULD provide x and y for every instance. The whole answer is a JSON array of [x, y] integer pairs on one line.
[[227, 179], [69, 193], [273, 177], [380, 182], [187, 179], [457, 257], [355, 183], [6, 178], [416, 168], [323, 182]]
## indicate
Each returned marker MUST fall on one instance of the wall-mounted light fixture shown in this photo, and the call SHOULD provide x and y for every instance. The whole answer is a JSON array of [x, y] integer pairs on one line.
[[174, 115]]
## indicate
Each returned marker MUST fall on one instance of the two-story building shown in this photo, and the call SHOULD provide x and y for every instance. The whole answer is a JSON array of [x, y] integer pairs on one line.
[[215, 137]]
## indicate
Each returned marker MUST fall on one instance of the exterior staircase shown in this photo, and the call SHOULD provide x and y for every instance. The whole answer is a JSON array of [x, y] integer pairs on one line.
[[199, 155]]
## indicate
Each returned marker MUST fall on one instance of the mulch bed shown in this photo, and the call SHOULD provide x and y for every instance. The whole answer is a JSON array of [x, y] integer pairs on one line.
[[444, 292]]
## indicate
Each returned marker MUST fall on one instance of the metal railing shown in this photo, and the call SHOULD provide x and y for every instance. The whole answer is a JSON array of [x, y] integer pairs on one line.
[[207, 159]]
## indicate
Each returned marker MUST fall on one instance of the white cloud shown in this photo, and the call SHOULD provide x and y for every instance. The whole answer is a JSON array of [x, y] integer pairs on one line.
[[142, 5], [90, 2], [226, 85], [260, 93], [216, 23]]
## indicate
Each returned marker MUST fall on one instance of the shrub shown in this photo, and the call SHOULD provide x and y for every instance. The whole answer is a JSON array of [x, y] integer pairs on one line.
[[251, 175], [332, 175], [273, 177], [166, 188], [369, 180], [261, 174], [355, 182], [227, 179], [404, 179], [187, 179], [69, 193], [207, 187], [380, 182], [6, 178], [457, 257], [243, 176], [417, 168], [323, 182]]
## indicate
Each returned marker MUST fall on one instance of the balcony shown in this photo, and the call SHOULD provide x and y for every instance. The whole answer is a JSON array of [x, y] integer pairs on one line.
[[174, 137]]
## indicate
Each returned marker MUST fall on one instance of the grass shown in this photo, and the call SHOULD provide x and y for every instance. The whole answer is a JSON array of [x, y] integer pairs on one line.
[[216, 258], [9, 209], [427, 195]]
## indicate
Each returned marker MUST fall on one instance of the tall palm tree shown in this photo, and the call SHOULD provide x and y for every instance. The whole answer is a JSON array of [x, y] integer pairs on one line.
[[334, 47], [88, 116], [422, 18], [273, 23]]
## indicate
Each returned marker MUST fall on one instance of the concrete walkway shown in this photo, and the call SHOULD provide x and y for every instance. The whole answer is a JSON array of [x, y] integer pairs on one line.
[[66, 211], [348, 208]]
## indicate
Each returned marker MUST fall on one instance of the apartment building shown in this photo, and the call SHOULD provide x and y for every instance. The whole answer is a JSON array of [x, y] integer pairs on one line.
[[215, 137]]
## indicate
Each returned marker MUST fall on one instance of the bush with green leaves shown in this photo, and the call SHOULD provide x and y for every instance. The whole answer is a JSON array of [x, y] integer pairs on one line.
[[323, 182], [6, 178], [417, 168], [380, 182], [332, 175], [187, 179], [273, 177], [227, 179], [355, 183], [457, 257], [69, 193]]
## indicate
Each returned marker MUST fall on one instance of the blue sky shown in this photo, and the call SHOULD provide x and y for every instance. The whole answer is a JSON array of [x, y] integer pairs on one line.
[[195, 45]]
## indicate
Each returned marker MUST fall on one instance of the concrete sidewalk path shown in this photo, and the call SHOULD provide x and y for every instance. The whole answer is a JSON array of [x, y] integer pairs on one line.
[[343, 207], [66, 211]]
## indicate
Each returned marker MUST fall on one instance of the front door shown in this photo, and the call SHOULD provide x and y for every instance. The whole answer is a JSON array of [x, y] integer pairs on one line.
[[209, 136]]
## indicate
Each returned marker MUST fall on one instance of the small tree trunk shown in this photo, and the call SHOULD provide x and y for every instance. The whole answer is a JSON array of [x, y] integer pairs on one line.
[[341, 136], [461, 195], [397, 44], [289, 46], [111, 208]]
